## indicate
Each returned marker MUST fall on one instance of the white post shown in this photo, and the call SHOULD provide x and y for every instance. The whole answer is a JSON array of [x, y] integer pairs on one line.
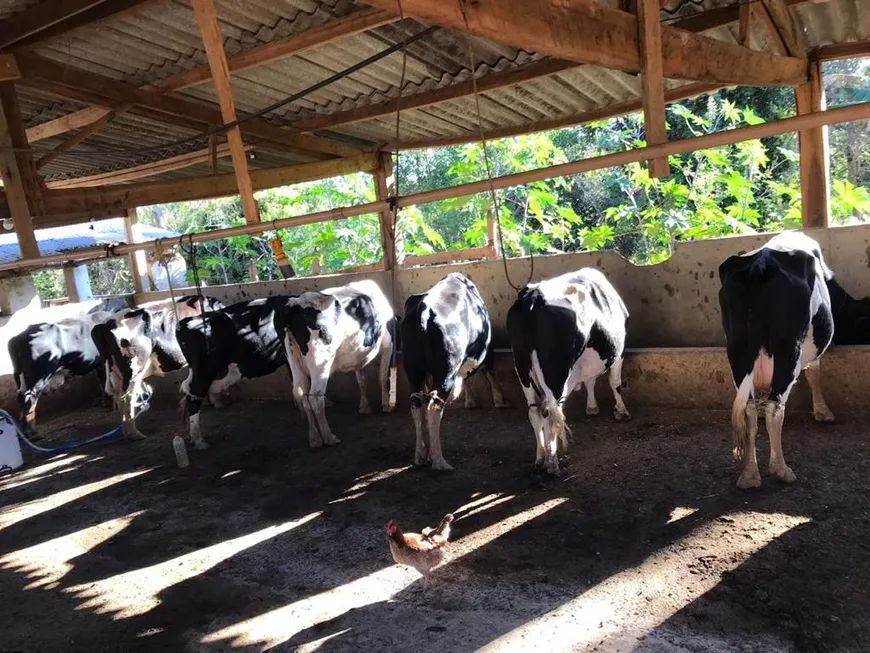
[[78, 283]]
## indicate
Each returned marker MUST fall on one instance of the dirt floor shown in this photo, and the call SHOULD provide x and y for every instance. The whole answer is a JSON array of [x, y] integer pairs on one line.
[[644, 545]]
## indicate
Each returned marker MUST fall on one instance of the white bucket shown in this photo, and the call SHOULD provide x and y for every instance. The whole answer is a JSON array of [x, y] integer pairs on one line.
[[10, 448]]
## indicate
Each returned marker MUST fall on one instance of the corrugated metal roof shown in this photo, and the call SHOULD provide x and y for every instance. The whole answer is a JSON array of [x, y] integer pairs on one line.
[[66, 239], [161, 38]]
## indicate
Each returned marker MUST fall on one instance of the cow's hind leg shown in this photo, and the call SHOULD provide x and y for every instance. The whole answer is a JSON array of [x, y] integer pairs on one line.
[[365, 408], [620, 412], [444, 388], [498, 400], [537, 425], [384, 366], [785, 371], [749, 476], [317, 403], [821, 412], [591, 403]]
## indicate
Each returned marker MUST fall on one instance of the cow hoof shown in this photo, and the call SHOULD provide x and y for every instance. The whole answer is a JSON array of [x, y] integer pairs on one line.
[[747, 481], [388, 409], [824, 415], [784, 474], [135, 437], [315, 444], [202, 445], [555, 472], [331, 440], [503, 404], [592, 411], [365, 410], [441, 466], [622, 417]]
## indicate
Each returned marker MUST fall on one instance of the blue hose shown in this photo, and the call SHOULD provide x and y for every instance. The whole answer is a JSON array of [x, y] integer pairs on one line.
[[41, 451]]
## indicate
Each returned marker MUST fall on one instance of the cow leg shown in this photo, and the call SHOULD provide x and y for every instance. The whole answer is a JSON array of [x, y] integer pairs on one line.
[[194, 409], [384, 367], [100, 372], [774, 416], [434, 413], [591, 403], [821, 412], [470, 401], [537, 425], [749, 476], [498, 400], [365, 408], [421, 448], [317, 403], [620, 412]]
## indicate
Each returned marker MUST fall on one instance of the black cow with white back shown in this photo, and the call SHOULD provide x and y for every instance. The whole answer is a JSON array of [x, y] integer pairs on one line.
[[446, 336], [45, 355], [776, 312], [565, 332], [224, 346]]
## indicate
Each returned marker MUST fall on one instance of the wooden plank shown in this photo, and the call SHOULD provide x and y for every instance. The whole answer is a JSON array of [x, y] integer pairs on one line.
[[841, 51], [75, 139], [100, 12], [517, 75], [786, 26], [69, 122], [206, 18], [39, 17], [649, 31], [144, 170], [121, 197], [571, 120], [761, 16], [212, 154], [294, 44], [813, 146], [18, 194], [450, 256], [138, 264], [385, 187], [78, 84], [744, 24], [589, 32], [8, 68]]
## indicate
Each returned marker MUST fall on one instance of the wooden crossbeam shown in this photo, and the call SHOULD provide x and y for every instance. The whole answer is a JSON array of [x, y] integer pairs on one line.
[[69, 122], [761, 16], [571, 120], [813, 147], [588, 32], [146, 169], [20, 183], [841, 51], [39, 17], [210, 31], [75, 139], [75, 83], [8, 68], [649, 32], [788, 30]]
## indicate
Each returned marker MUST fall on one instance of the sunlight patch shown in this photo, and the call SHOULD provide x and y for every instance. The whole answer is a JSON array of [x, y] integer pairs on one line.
[[681, 512], [364, 481], [136, 592], [31, 474], [632, 602], [29, 509]]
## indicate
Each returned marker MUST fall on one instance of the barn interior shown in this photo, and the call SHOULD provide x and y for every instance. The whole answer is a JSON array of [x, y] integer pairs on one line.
[[108, 106]]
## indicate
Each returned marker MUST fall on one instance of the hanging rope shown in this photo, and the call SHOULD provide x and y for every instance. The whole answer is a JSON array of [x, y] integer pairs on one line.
[[486, 162], [194, 268], [163, 258]]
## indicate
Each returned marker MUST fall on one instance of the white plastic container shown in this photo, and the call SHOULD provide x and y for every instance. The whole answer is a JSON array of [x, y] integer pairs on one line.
[[180, 452], [10, 448]]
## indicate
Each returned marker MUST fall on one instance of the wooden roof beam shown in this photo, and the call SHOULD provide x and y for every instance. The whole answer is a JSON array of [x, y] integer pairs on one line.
[[39, 17], [8, 68], [587, 32], [78, 84], [649, 32], [788, 30], [144, 170]]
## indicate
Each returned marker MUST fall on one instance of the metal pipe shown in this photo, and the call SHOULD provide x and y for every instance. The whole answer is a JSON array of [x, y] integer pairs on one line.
[[774, 128]]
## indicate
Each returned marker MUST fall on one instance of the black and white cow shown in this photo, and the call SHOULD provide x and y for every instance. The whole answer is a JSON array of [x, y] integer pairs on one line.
[[140, 342], [565, 332], [851, 316], [223, 347], [446, 335], [44, 355], [776, 311], [336, 330]]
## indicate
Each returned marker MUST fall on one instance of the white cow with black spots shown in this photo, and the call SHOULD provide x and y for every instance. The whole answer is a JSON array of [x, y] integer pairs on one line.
[[566, 332], [335, 330], [446, 336]]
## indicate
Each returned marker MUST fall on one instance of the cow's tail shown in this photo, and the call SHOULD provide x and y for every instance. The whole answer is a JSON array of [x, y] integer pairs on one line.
[[551, 411], [739, 420]]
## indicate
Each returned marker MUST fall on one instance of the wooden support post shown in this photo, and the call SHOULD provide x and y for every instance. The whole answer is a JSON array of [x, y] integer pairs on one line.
[[385, 187], [20, 181], [206, 17], [138, 264], [815, 198], [650, 43], [212, 154]]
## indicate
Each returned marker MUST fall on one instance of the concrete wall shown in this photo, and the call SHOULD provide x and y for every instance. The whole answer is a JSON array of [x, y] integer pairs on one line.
[[672, 304]]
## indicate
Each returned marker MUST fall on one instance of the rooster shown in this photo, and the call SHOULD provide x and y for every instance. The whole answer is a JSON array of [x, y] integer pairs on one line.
[[422, 551]]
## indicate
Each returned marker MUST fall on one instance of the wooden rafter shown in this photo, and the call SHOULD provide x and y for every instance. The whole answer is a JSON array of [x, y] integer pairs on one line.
[[210, 31], [649, 31], [20, 184], [267, 53], [145, 170], [841, 51], [78, 84], [71, 141], [589, 32], [571, 120], [39, 17], [8, 68], [761, 16], [788, 30], [69, 122]]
